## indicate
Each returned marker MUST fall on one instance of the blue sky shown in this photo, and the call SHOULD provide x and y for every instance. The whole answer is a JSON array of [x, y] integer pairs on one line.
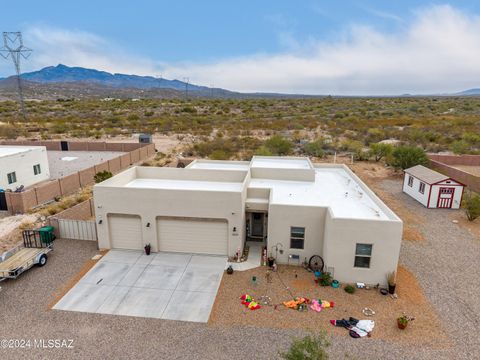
[[268, 45]]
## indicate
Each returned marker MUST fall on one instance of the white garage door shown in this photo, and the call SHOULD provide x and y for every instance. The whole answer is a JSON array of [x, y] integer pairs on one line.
[[193, 236], [125, 232]]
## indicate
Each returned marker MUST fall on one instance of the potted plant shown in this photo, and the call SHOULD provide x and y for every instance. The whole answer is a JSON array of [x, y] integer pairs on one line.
[[270, 261], [402, 321], [147, 248], [325, 279], [392, 282]]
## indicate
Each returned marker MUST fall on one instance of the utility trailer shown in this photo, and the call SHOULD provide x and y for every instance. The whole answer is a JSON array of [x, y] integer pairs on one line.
[[36, 245]]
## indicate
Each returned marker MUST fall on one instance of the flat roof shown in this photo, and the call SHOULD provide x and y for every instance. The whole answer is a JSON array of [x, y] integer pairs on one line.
[[173, 184], [219, 165], [333, 187], [7, 150], [280, 163]]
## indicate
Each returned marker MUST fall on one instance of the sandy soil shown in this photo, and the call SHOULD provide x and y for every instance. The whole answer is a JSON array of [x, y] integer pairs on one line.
[[10, 233], [474, 170], [229, 311]]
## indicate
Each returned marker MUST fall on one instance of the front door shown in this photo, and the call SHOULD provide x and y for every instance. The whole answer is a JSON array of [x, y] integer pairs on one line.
[[257, 224], [445, 197]]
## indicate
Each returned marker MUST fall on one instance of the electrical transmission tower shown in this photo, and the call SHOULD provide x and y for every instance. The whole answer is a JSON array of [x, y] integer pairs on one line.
[[13, 48], [186, 80]]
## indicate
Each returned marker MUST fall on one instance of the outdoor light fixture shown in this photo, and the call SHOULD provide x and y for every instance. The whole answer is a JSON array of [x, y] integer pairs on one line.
[[100, 222], [234, 229], [148, 224]]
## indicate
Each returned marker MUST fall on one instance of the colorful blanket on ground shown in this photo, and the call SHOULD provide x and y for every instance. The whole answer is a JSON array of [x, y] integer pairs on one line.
[[296, 302], [318, 304], [249, 302]]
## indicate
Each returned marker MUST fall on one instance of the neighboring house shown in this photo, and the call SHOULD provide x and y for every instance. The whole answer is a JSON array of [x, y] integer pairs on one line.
[[432, 189], [22, 165], [296, 209]]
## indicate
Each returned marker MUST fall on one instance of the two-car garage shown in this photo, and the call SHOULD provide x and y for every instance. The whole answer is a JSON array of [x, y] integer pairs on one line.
[[189, 235]]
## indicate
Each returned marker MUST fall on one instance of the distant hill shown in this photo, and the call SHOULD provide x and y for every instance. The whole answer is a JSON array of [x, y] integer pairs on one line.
[[470, 92], [62, 73]]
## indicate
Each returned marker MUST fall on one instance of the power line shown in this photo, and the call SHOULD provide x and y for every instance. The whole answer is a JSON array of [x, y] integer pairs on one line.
[[186, 81], [13, 47]]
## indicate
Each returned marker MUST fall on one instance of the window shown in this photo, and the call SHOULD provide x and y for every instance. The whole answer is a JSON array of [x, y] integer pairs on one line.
[[36, 169], [12, 177], [363, 254], [421, 188], [410, 180], [297, 237]]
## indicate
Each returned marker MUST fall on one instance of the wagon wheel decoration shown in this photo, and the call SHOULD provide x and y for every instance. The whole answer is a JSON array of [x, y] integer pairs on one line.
[[316, 263]]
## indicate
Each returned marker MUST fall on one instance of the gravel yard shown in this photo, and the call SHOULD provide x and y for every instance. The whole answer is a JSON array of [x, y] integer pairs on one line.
[[445, 265], [74, 161], [229, 311]]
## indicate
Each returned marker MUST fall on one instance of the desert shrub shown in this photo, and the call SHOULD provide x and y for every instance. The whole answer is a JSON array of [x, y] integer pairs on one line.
[[380, 150], [8, 131], [278, 145], [404, 157], [102, 176], [471, 205], [460, 147], [349, 289], [310, 347], [314, 148], [219, 155], [263, 151]]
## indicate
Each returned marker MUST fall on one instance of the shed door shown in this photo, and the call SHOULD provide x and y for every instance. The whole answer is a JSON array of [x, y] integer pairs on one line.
[[203, 236], [125, 232], [445, 197]]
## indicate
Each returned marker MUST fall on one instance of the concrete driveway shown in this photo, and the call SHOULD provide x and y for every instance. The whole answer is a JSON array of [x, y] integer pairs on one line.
[[163, 285]]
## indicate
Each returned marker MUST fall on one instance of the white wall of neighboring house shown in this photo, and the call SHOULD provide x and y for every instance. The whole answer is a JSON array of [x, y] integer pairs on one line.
[[413, 190], [21, 160]]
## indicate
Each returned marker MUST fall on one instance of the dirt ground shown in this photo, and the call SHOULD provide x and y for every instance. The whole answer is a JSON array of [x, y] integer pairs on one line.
[[10, 229], [372, 174], [228, 310]]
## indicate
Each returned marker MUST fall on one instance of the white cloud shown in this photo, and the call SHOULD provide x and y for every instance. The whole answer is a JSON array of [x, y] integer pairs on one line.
[[52, 46], [437, 51]]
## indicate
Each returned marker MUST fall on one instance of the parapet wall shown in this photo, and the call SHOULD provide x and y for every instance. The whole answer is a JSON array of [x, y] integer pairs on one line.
[[48, 191]]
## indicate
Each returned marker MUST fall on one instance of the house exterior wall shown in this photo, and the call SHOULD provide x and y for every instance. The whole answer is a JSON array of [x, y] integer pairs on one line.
[[150, 204], [413, 190], [22, 164], [282, 217], [331, 237], [341, 237]]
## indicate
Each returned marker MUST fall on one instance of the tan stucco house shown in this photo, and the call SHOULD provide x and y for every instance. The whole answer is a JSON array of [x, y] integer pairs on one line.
[[295, 208]]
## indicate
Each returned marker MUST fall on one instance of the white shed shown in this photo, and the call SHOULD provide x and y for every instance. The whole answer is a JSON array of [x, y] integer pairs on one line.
[[432, 189]]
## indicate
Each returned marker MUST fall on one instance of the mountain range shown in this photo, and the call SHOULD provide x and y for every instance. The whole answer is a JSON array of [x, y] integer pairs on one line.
[[59, 81]]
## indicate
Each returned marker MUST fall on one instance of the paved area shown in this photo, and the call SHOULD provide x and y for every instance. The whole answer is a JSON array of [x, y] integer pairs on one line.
[[162, 285], [63, 163], [254, 257]]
